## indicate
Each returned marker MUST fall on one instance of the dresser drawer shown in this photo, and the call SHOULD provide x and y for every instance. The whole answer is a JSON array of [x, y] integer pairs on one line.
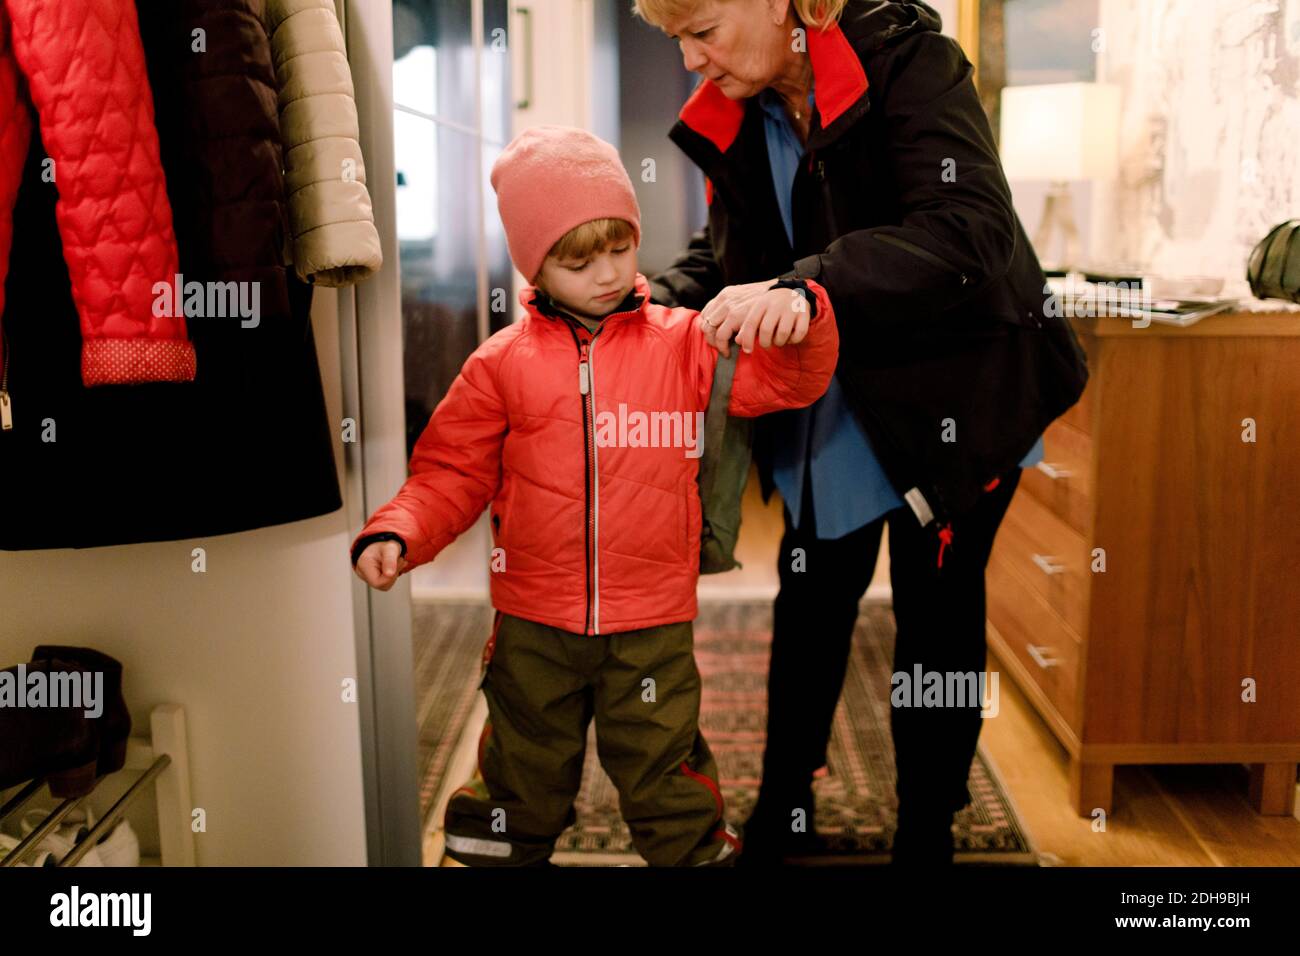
[[1044, 644], [1051, 557], [1063, 479]]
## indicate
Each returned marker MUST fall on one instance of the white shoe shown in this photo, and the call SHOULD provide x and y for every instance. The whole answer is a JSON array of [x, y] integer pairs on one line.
[[62, 840], [120, 847], [37, 857]]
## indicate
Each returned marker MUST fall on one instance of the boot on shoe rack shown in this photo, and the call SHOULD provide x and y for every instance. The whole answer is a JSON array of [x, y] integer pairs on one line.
[[115, 721], [61, 744]]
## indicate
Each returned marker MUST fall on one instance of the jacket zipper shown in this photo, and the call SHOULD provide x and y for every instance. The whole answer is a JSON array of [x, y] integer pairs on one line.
[[827, 200], [591, 470], [591, 621], [6, 412], [925, 254], [585, 389]]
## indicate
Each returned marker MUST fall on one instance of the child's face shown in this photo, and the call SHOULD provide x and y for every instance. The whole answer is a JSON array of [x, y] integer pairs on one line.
[[593, 286]]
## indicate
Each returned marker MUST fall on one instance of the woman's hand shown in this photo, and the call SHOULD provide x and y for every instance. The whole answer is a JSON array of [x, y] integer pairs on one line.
[[752, 311], [380, 563]]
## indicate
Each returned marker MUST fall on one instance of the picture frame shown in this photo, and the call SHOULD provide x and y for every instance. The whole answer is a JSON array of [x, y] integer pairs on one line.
[[1019, 42], [981, 31]]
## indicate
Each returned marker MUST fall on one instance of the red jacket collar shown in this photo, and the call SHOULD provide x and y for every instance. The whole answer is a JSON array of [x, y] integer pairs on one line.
[[839, 82], [529, 299]]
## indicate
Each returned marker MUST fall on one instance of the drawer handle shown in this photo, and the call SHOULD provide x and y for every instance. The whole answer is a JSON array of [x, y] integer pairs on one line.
[[1039, 659], [1045, 564], [1051, 471]]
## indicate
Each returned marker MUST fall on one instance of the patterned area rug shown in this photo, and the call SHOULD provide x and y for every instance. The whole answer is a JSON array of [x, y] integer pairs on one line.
[[856, 809], [446, 640]]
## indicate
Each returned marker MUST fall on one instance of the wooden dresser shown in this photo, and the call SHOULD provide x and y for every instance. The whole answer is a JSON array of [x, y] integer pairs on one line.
[[1153, 660]]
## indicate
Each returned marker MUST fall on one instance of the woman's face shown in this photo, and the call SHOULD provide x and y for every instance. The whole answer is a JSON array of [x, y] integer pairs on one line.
[[740, 45]]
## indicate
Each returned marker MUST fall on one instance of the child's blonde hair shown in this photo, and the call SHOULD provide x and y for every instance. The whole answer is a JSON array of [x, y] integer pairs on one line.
[[589, 238]]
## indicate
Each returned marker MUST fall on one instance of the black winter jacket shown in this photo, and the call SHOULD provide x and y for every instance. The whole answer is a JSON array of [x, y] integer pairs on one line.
[[948, 356], [248, 443]]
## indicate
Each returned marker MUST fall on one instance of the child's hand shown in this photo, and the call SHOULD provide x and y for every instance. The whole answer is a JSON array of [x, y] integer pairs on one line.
[[754, 311], [380, 563]]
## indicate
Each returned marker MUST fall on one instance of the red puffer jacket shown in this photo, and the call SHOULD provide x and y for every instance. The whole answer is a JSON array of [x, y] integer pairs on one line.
[[596, 513], [84, 70]]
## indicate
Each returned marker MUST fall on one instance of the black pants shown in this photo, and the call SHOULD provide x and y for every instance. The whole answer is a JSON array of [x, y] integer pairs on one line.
[[940, 620]]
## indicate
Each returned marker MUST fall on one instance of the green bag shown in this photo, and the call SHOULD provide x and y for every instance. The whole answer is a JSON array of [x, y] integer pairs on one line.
[[724, 471], [1273, 270]]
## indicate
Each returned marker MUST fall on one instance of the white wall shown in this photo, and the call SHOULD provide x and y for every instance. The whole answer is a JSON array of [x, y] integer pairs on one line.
[[1209, 157], [255, 650], [947, 10]]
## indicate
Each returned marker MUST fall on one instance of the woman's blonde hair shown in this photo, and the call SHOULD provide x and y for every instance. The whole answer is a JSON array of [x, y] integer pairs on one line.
[[589, 238], [818, 14]]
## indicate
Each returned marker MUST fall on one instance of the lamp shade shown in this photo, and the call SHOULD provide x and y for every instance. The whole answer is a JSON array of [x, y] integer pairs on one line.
[[1060, 131]]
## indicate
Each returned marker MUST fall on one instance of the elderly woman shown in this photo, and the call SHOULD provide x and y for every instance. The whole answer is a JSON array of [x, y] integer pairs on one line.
[[843, 141]]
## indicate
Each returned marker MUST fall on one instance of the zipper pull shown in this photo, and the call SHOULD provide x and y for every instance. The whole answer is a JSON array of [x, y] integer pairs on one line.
[[584, 372], [6, 415], [945, 540]]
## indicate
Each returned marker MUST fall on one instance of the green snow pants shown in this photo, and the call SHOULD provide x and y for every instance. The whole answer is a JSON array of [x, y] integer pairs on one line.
[[543, 687]]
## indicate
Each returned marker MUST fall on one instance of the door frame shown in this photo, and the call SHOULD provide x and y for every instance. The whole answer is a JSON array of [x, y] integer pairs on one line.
[[370, 352]]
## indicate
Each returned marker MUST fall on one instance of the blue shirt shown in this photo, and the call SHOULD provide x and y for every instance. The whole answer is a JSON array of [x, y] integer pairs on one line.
[[848, 485]]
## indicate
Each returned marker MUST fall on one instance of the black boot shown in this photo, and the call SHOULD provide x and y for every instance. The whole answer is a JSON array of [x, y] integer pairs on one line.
[[115, 721], [923, 839], [770, 835], [60, 744]]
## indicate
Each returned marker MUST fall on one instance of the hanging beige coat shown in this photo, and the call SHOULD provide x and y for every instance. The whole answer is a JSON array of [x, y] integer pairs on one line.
[[332, 224]]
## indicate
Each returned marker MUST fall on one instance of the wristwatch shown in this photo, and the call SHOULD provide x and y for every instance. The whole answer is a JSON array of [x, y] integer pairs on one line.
[[802, 286]]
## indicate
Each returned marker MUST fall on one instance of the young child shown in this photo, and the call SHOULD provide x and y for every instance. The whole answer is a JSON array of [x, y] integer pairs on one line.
[[581, 426]]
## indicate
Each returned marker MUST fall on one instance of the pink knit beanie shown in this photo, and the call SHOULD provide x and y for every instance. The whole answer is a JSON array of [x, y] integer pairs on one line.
[[552, 178]]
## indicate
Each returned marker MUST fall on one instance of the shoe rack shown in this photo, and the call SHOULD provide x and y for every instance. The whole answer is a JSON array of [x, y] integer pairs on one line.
[[160, 762]]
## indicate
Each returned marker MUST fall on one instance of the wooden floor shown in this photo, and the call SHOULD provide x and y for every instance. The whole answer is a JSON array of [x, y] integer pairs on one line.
[[1163, 815]]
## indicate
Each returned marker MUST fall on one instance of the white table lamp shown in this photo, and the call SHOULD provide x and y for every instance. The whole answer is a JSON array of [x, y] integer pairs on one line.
[[1060, 132]]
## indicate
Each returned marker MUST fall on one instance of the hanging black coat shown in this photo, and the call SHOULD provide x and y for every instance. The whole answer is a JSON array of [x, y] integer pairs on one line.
[[948, 357], [248, 443]]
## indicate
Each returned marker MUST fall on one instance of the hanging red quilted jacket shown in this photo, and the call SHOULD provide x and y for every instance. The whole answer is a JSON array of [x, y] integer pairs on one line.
[[81, 64]]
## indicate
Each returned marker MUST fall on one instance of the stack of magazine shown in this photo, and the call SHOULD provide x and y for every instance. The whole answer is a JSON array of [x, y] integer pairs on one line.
[[1133, 297]]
